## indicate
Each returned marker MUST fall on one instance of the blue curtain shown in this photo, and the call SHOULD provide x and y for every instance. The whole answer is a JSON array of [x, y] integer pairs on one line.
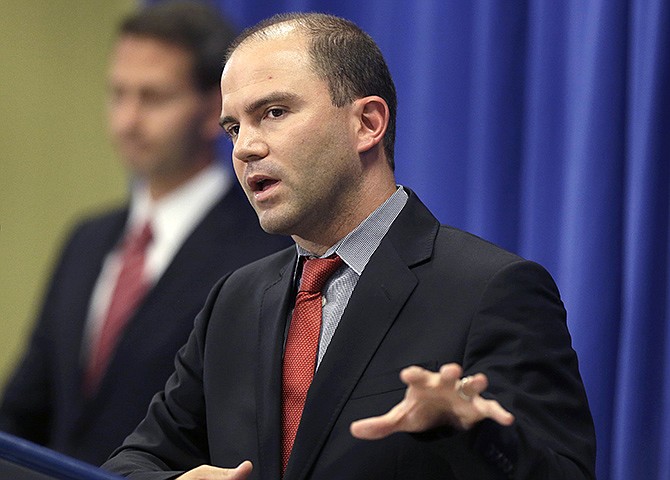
[[544, 127]]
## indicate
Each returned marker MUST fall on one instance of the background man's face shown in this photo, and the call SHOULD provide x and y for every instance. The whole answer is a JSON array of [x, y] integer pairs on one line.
[[156, 115]]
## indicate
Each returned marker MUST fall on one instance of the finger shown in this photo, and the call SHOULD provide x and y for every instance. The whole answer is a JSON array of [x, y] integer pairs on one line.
[[374, 428], [472, 386], [369, 429], [421, 377], [478, 382], [242, 472], [496, 412], [415, 376], [209, 472], [461, 389], [245, 467], [450, 372]]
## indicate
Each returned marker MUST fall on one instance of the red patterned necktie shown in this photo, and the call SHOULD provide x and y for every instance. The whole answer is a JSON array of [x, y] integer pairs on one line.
[[302, 346], [129, 290]]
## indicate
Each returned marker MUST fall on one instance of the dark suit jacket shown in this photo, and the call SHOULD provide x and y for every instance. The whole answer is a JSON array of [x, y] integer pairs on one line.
[[429, 295], [43, 401]]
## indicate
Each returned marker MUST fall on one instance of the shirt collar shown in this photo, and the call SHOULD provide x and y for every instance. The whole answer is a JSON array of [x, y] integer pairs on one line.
[[180, 208], [357, 247]]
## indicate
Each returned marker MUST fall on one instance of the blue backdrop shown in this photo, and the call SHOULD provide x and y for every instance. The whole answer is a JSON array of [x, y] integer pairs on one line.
[[544, 127]]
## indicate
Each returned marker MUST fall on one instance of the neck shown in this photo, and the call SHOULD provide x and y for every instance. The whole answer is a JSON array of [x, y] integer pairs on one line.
[[345, 222], [162, 185]]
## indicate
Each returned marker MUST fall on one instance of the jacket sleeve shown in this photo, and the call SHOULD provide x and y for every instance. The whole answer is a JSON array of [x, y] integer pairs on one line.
[[28, 397], [519, 339], [25, 410]]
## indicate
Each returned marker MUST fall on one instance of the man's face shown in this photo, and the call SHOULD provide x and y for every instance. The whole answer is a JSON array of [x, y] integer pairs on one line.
[[294, 152], [157, 117]]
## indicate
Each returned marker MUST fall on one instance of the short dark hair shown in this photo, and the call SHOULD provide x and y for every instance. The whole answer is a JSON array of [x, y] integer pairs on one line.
[[197, 28], [346, 57]]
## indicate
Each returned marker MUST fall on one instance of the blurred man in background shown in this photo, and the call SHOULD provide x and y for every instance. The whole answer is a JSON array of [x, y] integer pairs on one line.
[[129, 282]]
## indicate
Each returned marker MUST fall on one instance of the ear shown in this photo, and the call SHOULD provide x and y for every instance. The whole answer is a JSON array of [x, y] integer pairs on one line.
[[372, 115], [212, 111]]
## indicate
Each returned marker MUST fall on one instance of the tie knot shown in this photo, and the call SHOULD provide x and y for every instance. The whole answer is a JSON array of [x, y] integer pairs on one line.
[[317, 271], [139, 238]]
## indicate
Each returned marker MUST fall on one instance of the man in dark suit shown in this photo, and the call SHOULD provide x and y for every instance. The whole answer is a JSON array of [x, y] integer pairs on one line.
[[435, 355], [164, 110]]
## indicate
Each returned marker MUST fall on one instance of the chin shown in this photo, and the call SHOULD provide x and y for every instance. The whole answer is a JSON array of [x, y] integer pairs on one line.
[[275, 224], [141, 167], [273, 228]]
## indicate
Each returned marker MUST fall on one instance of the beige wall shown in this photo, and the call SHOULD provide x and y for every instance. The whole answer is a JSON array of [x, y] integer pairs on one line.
[[55, 160]]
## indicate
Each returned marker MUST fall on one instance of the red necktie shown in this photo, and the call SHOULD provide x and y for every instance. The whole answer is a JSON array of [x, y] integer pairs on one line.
[[302, 346], [128, 292]]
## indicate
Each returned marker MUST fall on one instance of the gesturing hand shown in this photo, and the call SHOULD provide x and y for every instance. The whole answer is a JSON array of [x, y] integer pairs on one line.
[[435, 399], [208, 472]]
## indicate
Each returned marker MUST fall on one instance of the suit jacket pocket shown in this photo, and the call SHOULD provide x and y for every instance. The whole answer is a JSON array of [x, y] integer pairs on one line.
[[388, 380]]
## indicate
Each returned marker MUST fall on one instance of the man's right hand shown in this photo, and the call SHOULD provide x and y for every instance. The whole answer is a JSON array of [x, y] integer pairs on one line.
[[208, 472]]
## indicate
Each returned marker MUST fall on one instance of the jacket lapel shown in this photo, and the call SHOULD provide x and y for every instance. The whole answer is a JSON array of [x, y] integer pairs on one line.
[[382, 290], [106, 236], [272, 321]]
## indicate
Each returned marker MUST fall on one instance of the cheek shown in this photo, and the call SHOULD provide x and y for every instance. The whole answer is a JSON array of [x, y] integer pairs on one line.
[[176, 122], [118, 121], [238, 168], [324, 151], [183, 121]]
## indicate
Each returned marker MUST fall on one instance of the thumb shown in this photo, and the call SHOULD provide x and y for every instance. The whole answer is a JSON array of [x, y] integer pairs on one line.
[[242, 471]]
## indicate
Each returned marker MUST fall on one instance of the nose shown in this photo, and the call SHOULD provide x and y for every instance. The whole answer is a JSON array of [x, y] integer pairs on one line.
[[125, 114], [249, 145]]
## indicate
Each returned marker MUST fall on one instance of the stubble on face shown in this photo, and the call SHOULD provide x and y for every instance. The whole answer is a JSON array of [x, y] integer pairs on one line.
[[309, 152], [156, 115]]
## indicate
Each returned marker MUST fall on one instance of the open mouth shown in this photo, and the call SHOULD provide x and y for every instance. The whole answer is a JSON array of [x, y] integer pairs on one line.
[[259, 184]]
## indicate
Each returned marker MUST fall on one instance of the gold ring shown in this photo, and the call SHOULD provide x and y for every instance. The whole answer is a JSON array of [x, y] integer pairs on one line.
[[461, 383]]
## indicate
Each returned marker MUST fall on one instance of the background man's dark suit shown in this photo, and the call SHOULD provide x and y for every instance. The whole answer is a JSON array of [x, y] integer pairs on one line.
[[44, 402], [430, 295]]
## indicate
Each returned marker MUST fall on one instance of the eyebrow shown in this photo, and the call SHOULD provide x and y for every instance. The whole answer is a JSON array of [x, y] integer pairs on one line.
[[274, 97]]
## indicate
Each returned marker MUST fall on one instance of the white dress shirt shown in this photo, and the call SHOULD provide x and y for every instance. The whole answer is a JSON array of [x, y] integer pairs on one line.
[[173, 218]]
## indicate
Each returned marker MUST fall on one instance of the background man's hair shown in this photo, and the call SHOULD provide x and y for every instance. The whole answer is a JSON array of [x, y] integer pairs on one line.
[[346, 57], [196, 27]]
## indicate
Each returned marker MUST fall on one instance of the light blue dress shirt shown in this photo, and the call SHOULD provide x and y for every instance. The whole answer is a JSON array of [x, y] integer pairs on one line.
[[355, 250]]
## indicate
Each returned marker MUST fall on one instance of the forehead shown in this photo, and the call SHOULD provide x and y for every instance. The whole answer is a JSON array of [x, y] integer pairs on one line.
[[267, 63], [150, 60]]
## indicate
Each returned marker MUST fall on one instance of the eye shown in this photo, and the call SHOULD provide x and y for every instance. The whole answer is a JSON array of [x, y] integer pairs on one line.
[[115, 95], [276, 112], [232, 131], [156, 98]]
